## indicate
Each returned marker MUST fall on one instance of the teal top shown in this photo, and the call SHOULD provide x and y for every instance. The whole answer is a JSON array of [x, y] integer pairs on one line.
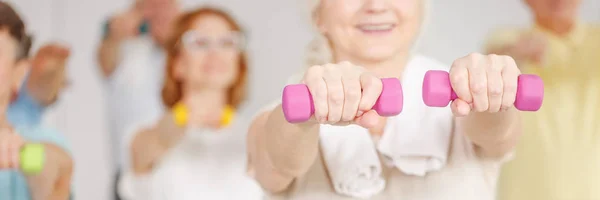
[[13, 185]]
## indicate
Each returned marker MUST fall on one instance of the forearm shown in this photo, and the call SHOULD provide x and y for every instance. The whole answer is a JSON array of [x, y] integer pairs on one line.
[[146, 151], [53, 182], [40, 86], [284, 151], [494, 134], [108, 56]]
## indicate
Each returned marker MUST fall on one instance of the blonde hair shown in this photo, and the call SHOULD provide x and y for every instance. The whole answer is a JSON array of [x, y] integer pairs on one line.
[[319, 50]]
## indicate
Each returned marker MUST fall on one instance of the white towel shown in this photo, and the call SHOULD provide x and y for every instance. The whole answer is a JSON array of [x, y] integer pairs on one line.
[[416, 142], [416, 148], [351, 160]]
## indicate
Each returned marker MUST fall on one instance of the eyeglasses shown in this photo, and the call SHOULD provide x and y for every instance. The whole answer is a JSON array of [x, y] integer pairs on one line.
[[196, 41]]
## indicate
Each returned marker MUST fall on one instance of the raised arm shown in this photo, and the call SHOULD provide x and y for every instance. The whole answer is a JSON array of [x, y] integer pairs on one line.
[[118, 29], [149, 145], [48, 75]]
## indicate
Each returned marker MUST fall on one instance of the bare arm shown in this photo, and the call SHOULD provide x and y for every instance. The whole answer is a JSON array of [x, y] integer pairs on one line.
[[108, 55], [280, 151], [494, 134], [53, 183], [120, 28], [149, 146], [48, 76]]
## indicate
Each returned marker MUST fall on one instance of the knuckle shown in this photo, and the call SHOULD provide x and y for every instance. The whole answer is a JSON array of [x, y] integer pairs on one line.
[[458, 62], [474, 55], [329, 68], [352, 93], [314, 70], [457, 77], [477, 87], [495, 91], [376, 83], [336, 98], [507, 59], [321, 94], [510, 87]]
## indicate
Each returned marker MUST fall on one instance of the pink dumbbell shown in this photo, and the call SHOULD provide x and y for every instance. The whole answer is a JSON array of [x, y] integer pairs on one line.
[[437, 91], [297, 102]]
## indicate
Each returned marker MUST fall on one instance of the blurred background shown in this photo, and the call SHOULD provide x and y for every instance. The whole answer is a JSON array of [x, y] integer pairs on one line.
[[454, 28]]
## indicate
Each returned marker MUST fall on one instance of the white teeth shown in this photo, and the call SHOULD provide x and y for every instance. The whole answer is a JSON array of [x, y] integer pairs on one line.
[[381, 27]]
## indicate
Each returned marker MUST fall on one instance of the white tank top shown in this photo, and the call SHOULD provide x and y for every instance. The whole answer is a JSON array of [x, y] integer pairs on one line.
[[206, 164]]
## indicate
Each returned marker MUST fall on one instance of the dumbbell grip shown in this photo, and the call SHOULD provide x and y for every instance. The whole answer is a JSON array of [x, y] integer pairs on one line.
[[529, 97], [519, 104], [298, 105]]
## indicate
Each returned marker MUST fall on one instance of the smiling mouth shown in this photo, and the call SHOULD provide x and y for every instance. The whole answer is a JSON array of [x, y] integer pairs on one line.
[[376, 28]]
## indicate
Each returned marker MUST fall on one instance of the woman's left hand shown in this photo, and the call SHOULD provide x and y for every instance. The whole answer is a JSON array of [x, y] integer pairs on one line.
[[483, 83]]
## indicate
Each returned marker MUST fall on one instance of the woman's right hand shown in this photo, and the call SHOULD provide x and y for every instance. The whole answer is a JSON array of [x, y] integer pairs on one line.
[[343, 94], [10, 148], [125, 25]]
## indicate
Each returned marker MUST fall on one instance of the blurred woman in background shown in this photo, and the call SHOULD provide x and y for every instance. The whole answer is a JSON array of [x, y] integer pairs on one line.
[[558, 156], [197, 149]]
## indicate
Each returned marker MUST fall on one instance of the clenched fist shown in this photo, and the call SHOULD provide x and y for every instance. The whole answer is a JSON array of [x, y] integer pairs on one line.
[[50, 57], [484, 83], [48, 73], [10, 147], [125, 25], [343, 93]]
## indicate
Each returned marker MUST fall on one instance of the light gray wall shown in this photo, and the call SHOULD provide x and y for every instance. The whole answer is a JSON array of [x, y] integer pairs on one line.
[[278, 36]]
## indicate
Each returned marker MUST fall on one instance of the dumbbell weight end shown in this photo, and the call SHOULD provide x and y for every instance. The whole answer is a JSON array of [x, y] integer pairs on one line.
[[32, 158]]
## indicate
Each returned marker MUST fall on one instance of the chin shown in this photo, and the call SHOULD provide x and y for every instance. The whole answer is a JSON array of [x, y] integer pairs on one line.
[[378, 53]]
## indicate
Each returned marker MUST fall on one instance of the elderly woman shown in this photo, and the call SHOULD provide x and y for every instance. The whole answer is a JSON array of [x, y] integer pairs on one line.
[[347, 151]]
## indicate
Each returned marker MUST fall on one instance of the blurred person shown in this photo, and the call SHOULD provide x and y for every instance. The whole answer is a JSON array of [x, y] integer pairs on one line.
[[347, 151], [53, 182], [197, 149], [557, 158], [132, 61]]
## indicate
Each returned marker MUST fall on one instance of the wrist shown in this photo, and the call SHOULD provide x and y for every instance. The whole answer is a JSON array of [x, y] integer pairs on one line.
[[290, 148], [487, 129]]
